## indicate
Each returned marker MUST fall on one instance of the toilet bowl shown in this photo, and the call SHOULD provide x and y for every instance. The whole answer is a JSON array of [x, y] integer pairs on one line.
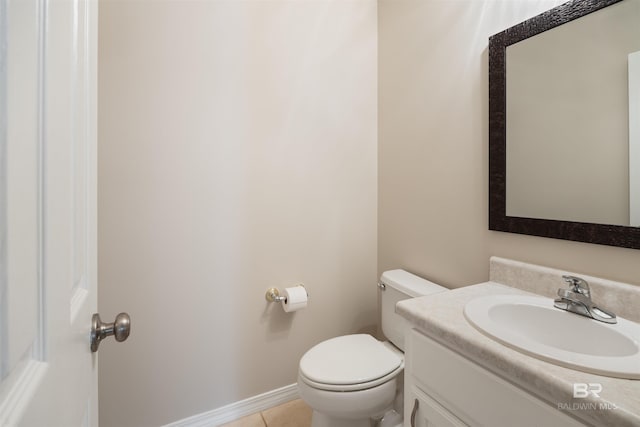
[[352, 379], [349, 380]]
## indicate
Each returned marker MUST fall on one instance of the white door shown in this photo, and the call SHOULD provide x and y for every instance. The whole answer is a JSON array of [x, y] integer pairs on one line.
[[48, 289]]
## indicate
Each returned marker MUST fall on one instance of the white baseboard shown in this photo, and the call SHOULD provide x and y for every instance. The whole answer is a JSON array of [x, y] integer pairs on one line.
[[240, 409]]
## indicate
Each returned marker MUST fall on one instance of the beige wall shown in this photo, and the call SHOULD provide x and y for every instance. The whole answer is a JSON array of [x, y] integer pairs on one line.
[[433, 144], [238, 151]]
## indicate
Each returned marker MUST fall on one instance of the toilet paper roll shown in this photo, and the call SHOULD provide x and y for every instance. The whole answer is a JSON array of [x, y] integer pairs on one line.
[[295, 299]]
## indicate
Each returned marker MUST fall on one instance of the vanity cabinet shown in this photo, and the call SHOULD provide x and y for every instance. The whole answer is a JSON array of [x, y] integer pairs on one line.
[[445, 389]]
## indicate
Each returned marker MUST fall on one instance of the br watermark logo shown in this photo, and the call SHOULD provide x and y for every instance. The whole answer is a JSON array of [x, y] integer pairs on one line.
[[584, 391]]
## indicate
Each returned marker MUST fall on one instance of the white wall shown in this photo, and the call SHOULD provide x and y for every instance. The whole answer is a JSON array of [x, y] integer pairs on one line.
[[433, 147], [238, 151]]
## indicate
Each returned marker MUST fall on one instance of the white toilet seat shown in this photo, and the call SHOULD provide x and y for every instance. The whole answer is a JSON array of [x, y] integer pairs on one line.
[[350, 363], [352, 387]]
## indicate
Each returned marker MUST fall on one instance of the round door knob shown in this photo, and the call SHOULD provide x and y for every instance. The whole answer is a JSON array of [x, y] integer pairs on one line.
[[120, 329]]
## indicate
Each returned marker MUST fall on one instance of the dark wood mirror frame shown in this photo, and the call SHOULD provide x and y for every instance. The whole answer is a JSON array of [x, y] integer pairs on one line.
[[613, 235]]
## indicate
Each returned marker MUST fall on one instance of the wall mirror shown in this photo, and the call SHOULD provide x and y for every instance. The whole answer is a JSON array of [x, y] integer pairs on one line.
[[564, 124]]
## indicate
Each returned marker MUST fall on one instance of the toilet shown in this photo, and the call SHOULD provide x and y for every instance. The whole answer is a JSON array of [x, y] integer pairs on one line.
[[351, 380]]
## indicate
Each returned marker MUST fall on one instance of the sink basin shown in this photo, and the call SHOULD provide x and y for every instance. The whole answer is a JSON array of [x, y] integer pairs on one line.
[[532, 325]]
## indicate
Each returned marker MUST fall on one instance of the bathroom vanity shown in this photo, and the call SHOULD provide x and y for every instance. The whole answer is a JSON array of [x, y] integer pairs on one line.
[[450, 390], [456, 375]]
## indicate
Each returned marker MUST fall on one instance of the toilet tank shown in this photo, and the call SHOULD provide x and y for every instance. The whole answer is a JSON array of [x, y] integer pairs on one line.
[[398, 285]]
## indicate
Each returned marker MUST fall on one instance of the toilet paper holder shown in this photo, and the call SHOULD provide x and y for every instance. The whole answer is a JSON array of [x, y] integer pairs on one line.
[[273, 295]]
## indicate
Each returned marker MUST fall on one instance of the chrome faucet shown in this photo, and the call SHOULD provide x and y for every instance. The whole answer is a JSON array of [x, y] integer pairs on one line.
[[577, 299]]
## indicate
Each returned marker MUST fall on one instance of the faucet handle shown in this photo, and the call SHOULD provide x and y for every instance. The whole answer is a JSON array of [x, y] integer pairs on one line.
[[578, 285]]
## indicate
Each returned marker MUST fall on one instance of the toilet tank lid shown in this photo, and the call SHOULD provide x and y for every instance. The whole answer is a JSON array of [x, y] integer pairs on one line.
[[410, 284]]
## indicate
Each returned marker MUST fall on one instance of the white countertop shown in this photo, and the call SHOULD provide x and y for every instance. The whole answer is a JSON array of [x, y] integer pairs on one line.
[[441, 317]]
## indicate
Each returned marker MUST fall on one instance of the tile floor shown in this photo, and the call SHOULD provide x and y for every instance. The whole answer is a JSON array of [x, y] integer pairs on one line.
[[291, 414]]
